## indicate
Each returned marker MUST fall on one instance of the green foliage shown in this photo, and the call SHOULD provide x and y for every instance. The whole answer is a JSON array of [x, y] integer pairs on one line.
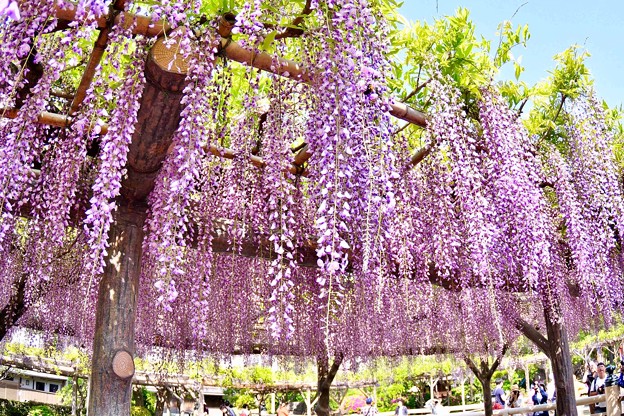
[[10, 408], [245, 399], [569, 78], [67, 393], [149, 398], [139, 411], [387, 393], [41, 411], [603, 336], [451, 46]]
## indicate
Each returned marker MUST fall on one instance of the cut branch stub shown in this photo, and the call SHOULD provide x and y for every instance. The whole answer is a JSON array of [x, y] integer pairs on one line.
[[123, 364], [168, 57]]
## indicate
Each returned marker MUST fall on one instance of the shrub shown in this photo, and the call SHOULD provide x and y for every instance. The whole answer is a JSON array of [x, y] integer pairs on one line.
[[41, 411], [139, 411], [353, 404]]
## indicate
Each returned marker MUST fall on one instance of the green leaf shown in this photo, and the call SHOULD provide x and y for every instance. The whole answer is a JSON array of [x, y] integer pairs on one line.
[[269, 40]]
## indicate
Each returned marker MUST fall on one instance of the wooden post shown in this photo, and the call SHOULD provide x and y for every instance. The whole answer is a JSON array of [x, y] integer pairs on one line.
[[614, 406], [74, 396], [526, 378], [308, 401], [463, 381], [111, 385], [110, 391], [272, 403], [548, 371], [200, 402]]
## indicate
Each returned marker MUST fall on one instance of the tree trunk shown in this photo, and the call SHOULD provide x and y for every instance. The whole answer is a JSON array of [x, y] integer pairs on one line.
[[557, 348], [560, 359], [116, 311], [487, 394], [161, 399], [15, 307], [484, 374], [326, 376]]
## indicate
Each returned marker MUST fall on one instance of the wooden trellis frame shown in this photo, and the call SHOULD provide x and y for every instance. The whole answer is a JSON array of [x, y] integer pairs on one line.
[[160, 105], [230, 50]]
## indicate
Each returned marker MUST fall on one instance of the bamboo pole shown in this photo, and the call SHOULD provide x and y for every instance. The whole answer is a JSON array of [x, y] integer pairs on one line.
[[231, 50], [235, 52], [50, 119], [87, 76], [141, 25]]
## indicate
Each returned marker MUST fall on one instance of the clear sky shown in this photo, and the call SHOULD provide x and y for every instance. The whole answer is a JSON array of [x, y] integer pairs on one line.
[[554, 25]]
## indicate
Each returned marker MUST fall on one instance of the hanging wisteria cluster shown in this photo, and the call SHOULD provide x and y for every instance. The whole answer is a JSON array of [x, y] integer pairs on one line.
[[351, 253]]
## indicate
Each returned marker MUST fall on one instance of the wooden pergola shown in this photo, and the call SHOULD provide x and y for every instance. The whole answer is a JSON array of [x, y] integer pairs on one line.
[[112, 372], [185, 382]]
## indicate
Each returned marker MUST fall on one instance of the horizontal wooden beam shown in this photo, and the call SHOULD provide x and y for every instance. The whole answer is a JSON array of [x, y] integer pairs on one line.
[[141, 25], [236, 52], [50, 119], [69, 369], [59, 120], [297, 72]]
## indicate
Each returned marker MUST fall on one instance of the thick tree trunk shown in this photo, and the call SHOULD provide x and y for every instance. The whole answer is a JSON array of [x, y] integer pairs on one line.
[[326, 376], [557, 348], [116, 311], [560, 359], [157, 120]]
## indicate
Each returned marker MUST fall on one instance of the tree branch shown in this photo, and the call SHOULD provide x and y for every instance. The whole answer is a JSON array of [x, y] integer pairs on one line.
[[498, 359], [294, 30], [417, 90], [533, 335], [522, 106], [473, 367], [549, 129]]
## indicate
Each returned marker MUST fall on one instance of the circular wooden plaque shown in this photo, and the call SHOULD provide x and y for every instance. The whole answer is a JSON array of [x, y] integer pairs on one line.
[[123, 364]]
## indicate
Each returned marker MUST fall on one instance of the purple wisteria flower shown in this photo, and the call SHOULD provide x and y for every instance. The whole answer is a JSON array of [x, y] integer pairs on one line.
[[10, 9]]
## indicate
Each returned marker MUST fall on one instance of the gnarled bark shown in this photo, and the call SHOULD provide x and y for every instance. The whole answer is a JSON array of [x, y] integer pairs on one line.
[[556, 347], [326, 375], [116, 311]]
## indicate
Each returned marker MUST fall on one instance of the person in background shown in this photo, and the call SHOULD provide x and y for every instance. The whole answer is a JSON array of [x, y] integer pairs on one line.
[[283, 409], [369, 409], [513, 400], [401, 409], [540, 397], [245, 410], [590, 374], [436, 407], [598, 387], [620, 381], [499, 395]]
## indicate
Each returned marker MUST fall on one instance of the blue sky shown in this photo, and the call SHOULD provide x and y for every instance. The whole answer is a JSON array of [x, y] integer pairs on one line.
[[554, 25]]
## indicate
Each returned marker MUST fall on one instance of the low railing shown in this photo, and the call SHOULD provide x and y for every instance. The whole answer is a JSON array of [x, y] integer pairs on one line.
[[581, 401], [455, 410], [613, 407]]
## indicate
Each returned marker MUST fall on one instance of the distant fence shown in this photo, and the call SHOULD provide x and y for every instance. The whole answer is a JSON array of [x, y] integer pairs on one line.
[[613, 408]]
